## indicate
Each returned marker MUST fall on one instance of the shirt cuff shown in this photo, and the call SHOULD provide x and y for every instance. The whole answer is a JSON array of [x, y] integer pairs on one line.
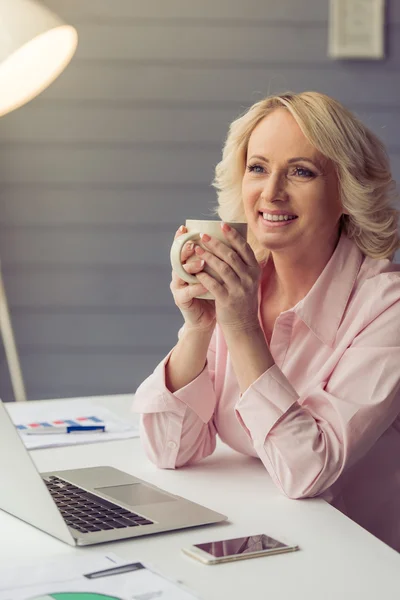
[[264, 403], [152, 396], [198, 395]]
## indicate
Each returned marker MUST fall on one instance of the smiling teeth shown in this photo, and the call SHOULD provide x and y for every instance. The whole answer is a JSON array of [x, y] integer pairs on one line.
[[268, 217]]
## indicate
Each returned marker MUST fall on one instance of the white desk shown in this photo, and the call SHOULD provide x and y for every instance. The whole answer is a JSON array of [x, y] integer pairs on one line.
[[338, 559]]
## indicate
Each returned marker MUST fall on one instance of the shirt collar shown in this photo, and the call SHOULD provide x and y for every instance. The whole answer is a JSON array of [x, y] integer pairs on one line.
[[323, 307]]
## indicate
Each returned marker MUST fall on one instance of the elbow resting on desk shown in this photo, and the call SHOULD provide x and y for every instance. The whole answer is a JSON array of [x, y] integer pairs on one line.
[[306, 471]]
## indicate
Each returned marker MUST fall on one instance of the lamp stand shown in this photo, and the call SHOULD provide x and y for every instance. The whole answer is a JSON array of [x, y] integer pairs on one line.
[[10, 347]]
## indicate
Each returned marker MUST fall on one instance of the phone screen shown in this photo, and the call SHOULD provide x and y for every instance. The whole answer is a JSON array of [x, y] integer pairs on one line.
[[241, 545]]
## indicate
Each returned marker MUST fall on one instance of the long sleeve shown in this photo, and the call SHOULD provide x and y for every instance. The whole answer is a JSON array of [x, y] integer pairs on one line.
[[306, 441], [178, 428]]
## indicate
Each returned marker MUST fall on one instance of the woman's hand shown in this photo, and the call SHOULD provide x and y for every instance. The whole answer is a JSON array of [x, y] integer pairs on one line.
[[197, 313], [236, 299]]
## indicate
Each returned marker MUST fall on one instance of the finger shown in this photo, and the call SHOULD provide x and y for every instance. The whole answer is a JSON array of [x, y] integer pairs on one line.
[[241, 246], [182, 229], [187, 251], [229, 267], [184, 296], [194, 266], [222, 251], [177, 282], [217, 289], [228, 255]]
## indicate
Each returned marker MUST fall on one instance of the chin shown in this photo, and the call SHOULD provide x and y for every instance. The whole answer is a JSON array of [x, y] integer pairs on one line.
[[276, 240]]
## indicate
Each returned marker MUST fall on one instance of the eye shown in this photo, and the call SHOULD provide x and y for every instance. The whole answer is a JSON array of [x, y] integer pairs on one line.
[[255, 169], [303, 172]]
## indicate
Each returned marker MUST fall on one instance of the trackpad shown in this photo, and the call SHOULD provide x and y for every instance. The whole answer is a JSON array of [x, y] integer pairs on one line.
[[134, 494]]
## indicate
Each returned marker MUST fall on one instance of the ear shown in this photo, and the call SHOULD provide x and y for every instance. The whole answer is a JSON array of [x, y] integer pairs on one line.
[[344, 211]]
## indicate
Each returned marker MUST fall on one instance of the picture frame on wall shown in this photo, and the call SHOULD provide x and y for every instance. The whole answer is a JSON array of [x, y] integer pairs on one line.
[[357, 29]]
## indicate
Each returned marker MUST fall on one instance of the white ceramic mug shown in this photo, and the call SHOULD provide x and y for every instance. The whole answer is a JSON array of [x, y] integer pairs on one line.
[[194, 229]]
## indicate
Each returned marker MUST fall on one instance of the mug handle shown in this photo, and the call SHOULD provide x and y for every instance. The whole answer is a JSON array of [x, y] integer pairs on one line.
[[175, 256]]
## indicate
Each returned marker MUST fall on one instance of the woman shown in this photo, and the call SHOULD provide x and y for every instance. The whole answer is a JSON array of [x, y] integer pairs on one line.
[[298, 360]]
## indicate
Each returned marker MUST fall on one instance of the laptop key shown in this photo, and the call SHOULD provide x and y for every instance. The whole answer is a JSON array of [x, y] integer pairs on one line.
[[119, 524], [145, 522], [128, 522], [94, 521], [76, 521], [132, 523], [75, 525]]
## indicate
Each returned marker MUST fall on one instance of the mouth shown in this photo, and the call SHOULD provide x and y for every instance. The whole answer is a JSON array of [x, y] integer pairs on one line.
[[279, 219]]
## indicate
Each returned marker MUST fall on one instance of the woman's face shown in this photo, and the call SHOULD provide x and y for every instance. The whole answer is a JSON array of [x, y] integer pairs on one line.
[[287, 178]]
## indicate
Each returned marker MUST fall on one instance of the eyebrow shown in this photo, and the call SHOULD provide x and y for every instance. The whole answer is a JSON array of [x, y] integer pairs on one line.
[[303, 158], [291, 160]]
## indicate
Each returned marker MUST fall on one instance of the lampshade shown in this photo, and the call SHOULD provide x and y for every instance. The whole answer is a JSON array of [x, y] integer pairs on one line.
[[35, 47]]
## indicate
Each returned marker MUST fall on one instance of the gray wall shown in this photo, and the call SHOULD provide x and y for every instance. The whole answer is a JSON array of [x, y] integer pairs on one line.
[[98, 172]]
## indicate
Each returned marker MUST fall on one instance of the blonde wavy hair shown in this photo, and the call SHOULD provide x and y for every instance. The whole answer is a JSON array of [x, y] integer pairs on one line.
[[362, 166]]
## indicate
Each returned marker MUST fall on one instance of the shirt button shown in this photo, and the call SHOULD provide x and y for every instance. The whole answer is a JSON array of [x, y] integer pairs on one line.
[[171, 445]]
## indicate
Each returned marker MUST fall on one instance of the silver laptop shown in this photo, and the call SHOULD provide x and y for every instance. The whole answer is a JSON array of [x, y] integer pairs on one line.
[[91, 505]]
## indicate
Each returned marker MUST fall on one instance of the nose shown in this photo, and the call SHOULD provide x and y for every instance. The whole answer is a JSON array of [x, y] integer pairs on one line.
[[274, 188]]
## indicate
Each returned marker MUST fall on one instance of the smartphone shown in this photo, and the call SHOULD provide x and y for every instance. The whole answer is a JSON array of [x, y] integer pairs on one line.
[[212, 553]]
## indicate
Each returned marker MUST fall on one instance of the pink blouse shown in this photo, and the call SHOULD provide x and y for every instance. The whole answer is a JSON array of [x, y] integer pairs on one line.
[[324, 419]]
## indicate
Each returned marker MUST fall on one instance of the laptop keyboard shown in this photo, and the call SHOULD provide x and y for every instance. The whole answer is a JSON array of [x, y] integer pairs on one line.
[[87, 512]]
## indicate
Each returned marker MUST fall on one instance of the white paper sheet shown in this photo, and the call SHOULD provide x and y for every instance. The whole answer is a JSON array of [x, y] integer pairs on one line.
[[67, 574], [53, 570], [27, 413]]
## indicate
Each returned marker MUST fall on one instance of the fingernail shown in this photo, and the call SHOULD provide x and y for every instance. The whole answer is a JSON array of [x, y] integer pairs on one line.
[[199, 250], [190, 246], [181, 228], [225, 227], [205, 237]]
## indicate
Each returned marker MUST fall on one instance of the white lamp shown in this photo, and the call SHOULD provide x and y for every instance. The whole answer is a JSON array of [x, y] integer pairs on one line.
[[35, 47]]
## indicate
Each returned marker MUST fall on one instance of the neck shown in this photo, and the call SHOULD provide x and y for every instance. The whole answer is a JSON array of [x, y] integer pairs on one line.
[[293, 274]]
